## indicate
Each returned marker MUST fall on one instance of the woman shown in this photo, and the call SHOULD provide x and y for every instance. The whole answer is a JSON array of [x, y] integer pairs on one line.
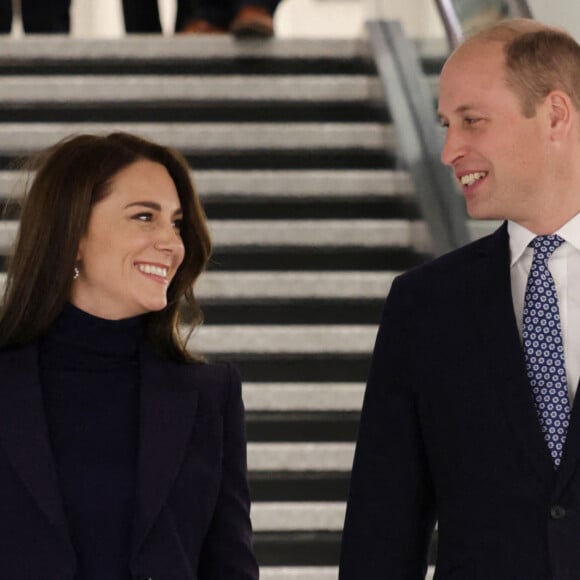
[[122, 456]]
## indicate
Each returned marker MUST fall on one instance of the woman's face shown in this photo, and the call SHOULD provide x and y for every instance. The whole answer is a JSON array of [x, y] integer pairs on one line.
[[132, 247]]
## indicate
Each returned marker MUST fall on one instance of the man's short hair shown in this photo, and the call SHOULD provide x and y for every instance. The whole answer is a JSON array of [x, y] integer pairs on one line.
[[538, 59]]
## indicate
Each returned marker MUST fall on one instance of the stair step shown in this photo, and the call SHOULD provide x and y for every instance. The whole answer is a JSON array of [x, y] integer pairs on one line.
[[153, 48], [296, 233], [284, 285], [299, 485], [309, 573], [283, 311], [189, 138], [300, 456], [297, 548], [287, 339], [365, 233], [276, 185], [304, 184], [303, 396], [316, 258], [298, 573], [166, 91], [298, 516], [300, 367], [301, 426]]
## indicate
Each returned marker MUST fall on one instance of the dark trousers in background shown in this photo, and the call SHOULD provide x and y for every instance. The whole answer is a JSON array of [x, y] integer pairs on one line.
[[38, 16], [143, 15]]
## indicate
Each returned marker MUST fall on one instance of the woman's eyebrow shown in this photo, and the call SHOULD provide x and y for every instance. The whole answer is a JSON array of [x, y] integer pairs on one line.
[[153, 205], [149, 204]]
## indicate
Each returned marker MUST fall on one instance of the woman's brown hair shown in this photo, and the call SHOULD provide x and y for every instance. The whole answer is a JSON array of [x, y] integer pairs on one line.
[[70, 178]]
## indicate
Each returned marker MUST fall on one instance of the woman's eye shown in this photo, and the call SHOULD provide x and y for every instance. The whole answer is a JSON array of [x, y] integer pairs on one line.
[[143, 217], [177, 225]]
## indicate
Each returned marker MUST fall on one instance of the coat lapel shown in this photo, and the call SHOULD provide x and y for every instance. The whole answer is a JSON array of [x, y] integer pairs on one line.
[[24, 432], [493, 309], [167, 410]]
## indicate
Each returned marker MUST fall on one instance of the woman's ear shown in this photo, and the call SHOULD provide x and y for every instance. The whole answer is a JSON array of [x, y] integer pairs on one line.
[[80, 249]]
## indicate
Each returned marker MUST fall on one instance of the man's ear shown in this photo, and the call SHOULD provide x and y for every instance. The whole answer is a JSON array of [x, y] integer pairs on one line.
[[559, 109]]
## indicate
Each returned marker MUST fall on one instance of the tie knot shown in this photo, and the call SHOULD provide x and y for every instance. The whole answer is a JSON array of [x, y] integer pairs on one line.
[[545, 246]]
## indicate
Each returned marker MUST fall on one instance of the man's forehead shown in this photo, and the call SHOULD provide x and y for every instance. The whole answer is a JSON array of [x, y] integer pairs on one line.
[[485, 53]]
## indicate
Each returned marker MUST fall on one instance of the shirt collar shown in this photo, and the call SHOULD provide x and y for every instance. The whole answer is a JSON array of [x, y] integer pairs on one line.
[[520, 237]]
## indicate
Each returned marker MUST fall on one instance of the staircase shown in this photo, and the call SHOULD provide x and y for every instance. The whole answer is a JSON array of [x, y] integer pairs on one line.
[[294, 156]]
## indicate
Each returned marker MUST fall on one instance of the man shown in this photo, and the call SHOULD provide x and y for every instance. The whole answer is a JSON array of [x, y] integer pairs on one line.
[[466, 419]]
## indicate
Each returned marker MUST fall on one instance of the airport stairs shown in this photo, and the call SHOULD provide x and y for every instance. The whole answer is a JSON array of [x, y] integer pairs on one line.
[[295, 157]]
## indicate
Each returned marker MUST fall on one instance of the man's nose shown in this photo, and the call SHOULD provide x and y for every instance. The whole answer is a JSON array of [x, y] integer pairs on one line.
[[453, 147]]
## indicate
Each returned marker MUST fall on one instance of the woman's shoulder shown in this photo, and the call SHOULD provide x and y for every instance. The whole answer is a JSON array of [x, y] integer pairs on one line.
[[225, 373], [218, 381]]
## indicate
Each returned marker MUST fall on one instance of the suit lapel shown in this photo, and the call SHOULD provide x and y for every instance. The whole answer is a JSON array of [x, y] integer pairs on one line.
[[24, 433], [167, 410], [493, 309], [571, 454]]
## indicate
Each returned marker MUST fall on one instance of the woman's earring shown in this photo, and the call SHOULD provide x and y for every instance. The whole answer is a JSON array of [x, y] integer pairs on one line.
[[76, 272]]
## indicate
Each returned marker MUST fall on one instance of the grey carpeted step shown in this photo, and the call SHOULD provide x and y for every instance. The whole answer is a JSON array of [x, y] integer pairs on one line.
[[165, 91], [309, 573], [276, 185], [298, 516], [296, 233], [281, 397], [265, 340], [298, 573], [300, 456], [305, 233], [293, 285], [19, 139], [153, 48]]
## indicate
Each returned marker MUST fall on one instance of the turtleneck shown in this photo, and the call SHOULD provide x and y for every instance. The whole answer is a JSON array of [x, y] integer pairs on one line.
[[90, 381]]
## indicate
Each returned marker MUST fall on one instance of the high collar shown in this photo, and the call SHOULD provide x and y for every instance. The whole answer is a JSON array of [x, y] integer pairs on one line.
[[80, 341]]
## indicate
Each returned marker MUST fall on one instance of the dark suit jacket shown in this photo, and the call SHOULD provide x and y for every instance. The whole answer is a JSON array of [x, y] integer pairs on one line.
[[449, 431], [192, 515]]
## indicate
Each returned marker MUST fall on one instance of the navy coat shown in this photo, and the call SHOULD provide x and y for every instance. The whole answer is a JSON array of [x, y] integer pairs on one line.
[[192, 516], [449, 432]]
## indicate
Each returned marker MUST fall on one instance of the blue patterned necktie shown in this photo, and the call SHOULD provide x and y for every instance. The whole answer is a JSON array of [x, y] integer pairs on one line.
[[544, 348]]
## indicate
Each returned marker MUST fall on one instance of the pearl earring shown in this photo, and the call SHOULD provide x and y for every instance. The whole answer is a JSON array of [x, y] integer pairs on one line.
[[76, 272]]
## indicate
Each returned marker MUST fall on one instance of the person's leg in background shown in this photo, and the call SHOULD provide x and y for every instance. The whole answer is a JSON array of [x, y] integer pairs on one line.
[[254, 18], [44, 16], [141, 16], [204, 16], [5, 16]]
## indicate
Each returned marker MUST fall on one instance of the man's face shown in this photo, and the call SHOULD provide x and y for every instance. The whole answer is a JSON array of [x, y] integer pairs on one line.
[[497, 154]]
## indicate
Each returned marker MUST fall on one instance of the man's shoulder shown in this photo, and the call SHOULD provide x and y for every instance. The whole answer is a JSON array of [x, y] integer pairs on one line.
[[456, 262]]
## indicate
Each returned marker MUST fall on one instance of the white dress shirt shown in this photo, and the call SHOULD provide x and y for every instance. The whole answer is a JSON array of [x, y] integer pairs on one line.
[[564, 264]]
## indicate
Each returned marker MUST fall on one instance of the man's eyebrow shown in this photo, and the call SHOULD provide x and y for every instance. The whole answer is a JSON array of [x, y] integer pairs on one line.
[[152, 205], [459, 111]]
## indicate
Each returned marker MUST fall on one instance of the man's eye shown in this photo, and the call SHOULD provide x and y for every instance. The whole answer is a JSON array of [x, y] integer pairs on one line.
[[471, 120]]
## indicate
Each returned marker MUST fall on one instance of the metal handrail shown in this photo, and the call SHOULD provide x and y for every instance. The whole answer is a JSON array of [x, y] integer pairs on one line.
[[420, 141], [456, 14]]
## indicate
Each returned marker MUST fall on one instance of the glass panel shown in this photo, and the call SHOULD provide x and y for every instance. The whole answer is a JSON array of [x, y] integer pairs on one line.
[[477, 13]]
